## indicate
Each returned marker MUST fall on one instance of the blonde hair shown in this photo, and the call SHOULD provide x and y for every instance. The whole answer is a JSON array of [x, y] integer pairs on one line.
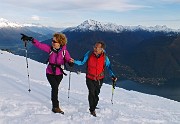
[[61, 38]]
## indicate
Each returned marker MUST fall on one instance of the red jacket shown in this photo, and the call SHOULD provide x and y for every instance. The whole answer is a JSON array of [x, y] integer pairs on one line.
[[95, 66]]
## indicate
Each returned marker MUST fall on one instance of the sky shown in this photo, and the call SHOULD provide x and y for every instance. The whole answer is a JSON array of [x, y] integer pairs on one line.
[[18, 106], [69, 13]]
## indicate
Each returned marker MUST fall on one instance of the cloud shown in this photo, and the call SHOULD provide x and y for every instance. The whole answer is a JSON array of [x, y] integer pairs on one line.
[[171, 1], [35, 17], [85, 5], [78, 5]]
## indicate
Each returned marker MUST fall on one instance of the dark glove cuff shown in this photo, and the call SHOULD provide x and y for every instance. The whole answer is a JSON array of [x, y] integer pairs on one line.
[[114, 78], [31, 39], [70, 64]]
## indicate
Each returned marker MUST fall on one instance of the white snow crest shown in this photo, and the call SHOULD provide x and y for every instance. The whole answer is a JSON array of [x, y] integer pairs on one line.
[[6, 23], [18, 106], [92, 25]]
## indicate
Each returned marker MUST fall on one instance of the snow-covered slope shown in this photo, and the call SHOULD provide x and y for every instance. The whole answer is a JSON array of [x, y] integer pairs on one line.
[[92, 25], [18, 106]]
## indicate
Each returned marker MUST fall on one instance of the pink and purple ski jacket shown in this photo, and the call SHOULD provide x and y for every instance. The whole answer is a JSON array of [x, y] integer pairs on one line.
[[54, 58]]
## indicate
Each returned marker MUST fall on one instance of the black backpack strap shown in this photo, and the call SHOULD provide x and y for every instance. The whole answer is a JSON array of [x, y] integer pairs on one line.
[[65, 67], [50, 52], [54, 66]]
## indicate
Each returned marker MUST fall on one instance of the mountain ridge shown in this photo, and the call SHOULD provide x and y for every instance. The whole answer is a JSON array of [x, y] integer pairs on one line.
[[92, 25]]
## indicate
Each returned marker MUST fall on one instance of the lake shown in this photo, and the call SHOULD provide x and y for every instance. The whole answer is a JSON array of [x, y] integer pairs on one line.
[[170, 91]]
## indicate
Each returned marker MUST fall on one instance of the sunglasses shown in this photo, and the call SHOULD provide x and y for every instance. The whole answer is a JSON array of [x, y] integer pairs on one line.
[[94, 47], [54, 41]]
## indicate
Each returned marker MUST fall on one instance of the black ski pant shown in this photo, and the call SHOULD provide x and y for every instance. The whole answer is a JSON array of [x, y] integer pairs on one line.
[[94, 90], [54, 81]]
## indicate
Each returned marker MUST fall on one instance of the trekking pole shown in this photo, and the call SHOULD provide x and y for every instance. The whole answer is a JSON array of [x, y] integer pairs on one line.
[[113, 87], [69, 83], [27, 65]]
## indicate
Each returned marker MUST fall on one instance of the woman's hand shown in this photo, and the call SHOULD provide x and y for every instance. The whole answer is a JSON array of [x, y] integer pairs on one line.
[[26, 38], [71, 60]]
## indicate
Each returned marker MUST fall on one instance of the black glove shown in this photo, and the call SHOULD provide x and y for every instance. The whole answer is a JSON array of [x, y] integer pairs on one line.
[[26, 38], [71, 64], [114, 79]]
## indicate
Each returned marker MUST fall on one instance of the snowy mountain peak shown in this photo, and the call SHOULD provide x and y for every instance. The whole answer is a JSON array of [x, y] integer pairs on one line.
[[3, 20], [92, 25], [6, 23], [91, 22], [38, 28]]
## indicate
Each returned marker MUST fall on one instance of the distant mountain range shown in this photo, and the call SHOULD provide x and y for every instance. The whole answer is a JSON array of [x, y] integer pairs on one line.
[[10, 34], [143, 54], [92, 25], [37, 28]]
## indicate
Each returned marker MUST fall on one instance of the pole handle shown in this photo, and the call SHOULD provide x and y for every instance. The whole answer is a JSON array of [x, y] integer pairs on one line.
[[25, 44]]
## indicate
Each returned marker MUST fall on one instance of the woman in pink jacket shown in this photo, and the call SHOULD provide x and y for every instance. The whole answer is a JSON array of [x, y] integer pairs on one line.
[[58, 56]]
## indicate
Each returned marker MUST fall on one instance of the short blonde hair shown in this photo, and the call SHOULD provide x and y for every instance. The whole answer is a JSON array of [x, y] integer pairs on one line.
[[61, 38]]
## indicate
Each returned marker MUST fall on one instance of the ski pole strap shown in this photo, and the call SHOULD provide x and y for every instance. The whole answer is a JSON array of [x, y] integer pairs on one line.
[[62, 71]]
